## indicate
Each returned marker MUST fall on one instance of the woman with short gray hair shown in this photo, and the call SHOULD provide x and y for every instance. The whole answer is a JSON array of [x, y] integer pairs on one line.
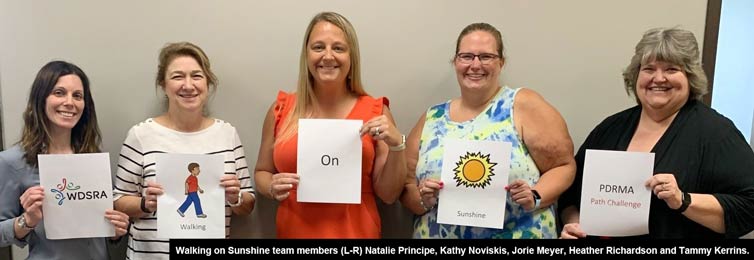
[[702, 185]]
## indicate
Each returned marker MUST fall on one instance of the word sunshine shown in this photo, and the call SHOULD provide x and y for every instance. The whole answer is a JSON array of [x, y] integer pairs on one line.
[[471, 214]]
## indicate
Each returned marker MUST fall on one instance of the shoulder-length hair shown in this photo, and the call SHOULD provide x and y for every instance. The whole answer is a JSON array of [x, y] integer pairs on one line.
[[180, 49], [304, 93], [174, 50], [672, 45], [36, 137]]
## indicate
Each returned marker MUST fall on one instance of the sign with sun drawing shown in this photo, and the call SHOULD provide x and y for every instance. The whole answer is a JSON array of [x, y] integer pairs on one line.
[[474, 170], [477, 172]]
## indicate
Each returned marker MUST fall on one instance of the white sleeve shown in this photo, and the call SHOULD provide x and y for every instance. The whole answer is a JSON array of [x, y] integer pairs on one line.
[[129, 175], [242, 168]]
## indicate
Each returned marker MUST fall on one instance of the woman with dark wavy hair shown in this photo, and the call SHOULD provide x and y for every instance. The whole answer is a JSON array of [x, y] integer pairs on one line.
[[59, 119]]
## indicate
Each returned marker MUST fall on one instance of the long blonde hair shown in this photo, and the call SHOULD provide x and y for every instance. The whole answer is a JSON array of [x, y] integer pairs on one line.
[[304, 93]]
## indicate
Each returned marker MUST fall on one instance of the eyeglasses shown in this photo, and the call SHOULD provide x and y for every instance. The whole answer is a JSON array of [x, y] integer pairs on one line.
[[468, 58]]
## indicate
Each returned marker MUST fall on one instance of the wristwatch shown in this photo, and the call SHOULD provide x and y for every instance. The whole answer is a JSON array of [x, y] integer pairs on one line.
[[22, 223], [685, 202], [399, 147], [537, 199], [143, 205], [240, 200]]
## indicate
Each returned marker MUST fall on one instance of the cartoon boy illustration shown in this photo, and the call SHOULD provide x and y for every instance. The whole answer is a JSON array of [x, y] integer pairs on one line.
[[192, 186]]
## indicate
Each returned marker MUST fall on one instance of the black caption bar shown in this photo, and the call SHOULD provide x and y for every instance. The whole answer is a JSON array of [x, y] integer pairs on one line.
[[242, 248]]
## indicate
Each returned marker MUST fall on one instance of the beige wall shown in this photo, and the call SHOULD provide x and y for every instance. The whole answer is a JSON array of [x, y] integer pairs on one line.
[[572, 52]]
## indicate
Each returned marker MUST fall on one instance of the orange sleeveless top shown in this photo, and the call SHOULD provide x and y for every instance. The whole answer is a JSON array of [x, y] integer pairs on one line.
[[328, 220]]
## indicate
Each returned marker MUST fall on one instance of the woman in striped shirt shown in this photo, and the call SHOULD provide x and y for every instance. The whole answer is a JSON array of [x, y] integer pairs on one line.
[[185, 76]]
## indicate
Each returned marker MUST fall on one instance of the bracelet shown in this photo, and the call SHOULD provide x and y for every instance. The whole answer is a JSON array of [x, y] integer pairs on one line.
[[238, 203], [537, 199], [399, 147], [144, 205], [424, 206]]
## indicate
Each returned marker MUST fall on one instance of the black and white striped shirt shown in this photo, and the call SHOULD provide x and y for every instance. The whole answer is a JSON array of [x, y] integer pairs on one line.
[[136, 166]]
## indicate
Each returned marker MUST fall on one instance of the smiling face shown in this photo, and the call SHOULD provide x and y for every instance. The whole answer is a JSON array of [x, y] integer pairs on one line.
[[662, 85], [328, 54], [475, 75], [65, 104], [185, 85]]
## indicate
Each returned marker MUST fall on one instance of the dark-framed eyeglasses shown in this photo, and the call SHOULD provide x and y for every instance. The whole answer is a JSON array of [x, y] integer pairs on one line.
[[468, 58]]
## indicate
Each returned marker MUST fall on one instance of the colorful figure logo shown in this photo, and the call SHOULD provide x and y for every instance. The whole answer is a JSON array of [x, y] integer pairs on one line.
[[62, 187], [474, 170]]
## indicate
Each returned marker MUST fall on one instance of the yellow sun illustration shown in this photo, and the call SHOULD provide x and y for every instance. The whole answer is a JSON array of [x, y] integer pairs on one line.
[[474, 170]]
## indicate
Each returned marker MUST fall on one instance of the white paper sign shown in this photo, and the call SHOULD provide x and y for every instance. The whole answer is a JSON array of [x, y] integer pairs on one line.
[[193, 203], [614, 201], [475, 174], [78, 190], [329, 161]]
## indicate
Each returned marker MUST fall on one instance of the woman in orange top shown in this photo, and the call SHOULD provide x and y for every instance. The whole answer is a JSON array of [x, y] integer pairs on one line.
[[329, 86]]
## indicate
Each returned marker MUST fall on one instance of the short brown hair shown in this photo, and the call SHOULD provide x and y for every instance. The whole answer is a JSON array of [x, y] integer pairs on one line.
[[193, 166]]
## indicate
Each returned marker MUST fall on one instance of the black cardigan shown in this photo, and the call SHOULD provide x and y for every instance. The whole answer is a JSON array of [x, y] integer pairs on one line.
[[705, 152]]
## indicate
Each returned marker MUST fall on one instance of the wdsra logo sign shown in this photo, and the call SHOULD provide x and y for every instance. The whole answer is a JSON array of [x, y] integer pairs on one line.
[[70, 191]]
